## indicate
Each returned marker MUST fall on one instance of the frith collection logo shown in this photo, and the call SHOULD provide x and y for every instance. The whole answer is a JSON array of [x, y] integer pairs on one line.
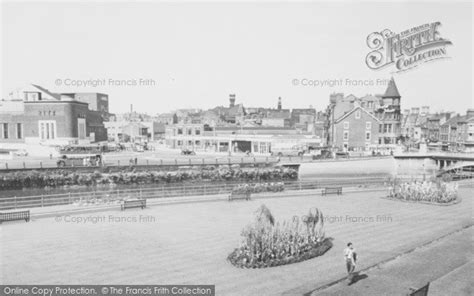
[[407, 49]]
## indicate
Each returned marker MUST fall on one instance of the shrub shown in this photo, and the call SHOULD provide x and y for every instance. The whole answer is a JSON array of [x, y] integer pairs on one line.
[[436, 191], [259, 187], [57, 178], [267, 243]]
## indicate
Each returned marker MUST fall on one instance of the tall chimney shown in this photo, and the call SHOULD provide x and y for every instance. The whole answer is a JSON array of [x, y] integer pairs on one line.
[[279, 103], [232, 100], [131, 108]]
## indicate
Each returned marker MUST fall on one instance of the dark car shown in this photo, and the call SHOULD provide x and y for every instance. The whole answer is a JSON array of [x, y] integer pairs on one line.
[[342, 154], [325, 154], [187, 152]]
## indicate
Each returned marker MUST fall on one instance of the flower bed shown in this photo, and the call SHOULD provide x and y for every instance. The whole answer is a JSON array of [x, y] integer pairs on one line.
[[267, 244], [58, 178], [259, 187], [427, 191]]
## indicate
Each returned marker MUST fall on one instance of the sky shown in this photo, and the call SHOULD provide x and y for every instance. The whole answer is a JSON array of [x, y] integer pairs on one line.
[[163, 56]]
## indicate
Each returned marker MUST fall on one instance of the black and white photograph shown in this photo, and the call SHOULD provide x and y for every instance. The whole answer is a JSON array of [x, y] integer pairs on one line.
[[257, 148]]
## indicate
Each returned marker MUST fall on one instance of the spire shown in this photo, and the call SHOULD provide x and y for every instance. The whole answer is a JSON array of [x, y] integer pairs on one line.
[[392, 90]]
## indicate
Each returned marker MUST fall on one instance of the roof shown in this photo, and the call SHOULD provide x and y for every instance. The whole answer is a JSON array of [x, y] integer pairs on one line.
[[352, 111], [392, 90], [42, 89]]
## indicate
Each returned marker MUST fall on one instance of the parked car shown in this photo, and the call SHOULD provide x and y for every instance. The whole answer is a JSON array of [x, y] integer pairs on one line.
[[187, 152], [325, 154], [342, 154], [288, 151], [20, 152]]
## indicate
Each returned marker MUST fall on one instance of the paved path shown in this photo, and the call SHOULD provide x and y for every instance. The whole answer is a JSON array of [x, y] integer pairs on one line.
[[446, 263], [189, 243]]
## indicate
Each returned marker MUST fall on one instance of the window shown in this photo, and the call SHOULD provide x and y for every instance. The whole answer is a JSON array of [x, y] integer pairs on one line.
[[180, 131], [198, 143], [190, 143], [190, 131], [5, 130], [367, 136], [19, 131], [197, 131], [180, 143], [380, 128], [368, 125], [357, 115], [47, 129], [346, 135], [81, 128], [346, 125]]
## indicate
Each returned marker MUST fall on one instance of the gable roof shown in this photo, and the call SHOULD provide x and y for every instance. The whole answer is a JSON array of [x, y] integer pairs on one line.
[[352, 111], [42, 89], [392, 90]]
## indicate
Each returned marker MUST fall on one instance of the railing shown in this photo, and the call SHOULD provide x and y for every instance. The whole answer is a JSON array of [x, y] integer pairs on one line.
[[116, 195], [182, 161]]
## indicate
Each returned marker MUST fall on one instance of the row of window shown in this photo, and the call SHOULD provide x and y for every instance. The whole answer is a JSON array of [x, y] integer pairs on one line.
[[368, 135], [5, 132], [368, 125], [47, 129], [189, 131], [49, 113]]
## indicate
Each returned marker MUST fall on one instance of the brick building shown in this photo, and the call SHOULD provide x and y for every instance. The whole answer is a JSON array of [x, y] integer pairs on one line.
[[36, 116], [385, 108], [357, 130]]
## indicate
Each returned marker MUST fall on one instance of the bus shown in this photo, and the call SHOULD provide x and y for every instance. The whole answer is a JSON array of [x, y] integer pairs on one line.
[[78, 150]]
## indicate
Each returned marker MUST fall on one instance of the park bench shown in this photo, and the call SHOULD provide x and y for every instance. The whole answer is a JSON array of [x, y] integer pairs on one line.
[[332, 190], [423, 291], [133, 203], [18, 215], [239, 195]]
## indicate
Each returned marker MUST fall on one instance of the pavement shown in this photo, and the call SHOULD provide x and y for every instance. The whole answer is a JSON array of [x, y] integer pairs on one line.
[[446, 263], [188, 243]]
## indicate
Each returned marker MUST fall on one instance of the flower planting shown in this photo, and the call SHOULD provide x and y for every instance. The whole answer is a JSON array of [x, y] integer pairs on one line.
[[59, 178], [436, 191], [267, 243], [259, 187]]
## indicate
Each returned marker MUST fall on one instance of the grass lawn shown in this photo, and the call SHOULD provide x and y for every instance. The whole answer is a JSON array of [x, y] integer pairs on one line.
[[189, 243]]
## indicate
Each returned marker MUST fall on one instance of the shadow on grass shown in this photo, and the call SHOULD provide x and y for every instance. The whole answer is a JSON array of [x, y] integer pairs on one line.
[[357, 277]]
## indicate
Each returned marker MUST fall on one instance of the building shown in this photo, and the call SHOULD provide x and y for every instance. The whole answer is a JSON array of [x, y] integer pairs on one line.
[[34, 115], [357, 130], [434, 123], [457, 133], [386, 108], [234, 139], [414, 124], [135, 131], [96, 101]]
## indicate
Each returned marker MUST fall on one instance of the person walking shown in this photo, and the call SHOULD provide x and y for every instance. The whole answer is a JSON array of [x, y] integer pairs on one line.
[[350, 257]]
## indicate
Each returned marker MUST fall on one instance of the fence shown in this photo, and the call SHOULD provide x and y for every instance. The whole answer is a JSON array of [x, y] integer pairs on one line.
[[116, 195], [134, 161]]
